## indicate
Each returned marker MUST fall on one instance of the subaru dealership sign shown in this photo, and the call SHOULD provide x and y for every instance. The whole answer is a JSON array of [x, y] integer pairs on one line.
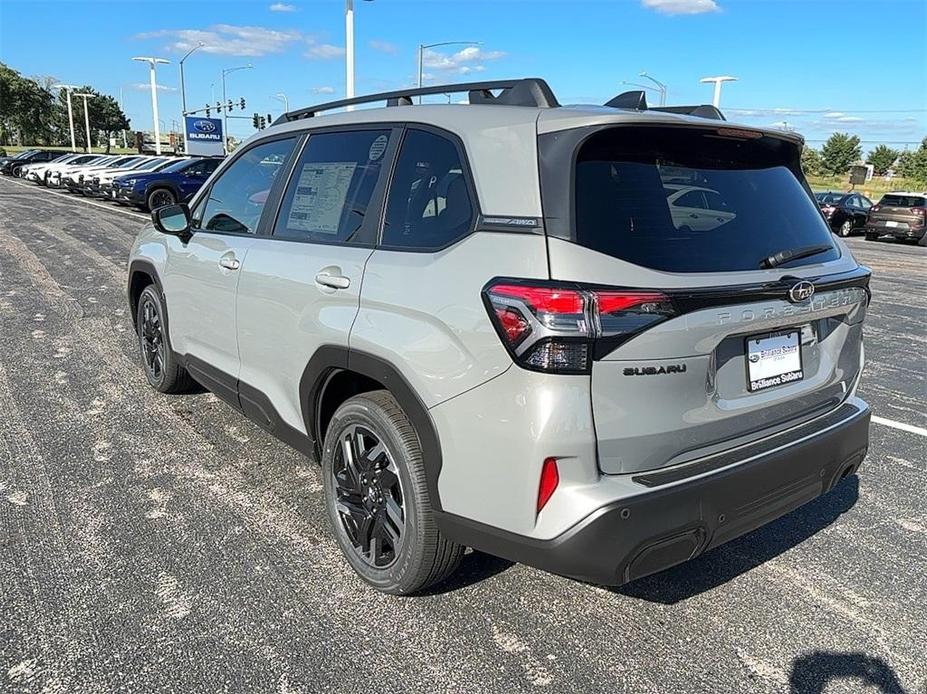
[[203, 135]]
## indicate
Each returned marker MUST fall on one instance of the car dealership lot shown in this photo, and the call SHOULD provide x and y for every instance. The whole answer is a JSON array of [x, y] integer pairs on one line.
[[152, 543]]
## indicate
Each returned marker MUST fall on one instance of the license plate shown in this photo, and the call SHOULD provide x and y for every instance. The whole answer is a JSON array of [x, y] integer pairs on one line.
[[892, 224], [773, 360]]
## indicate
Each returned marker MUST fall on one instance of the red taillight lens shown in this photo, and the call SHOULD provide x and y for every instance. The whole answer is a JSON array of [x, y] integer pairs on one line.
[[875, 208], [555, 329], [550, 478]]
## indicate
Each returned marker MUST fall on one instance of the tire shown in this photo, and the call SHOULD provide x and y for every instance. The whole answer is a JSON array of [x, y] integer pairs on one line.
[[410, 553], [872, 237], [845, 229], [17, 171], [162, 367], [159, 197]]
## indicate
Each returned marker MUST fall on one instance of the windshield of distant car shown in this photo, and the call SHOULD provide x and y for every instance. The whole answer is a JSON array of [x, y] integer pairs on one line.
[[894, 200], [177, 166]]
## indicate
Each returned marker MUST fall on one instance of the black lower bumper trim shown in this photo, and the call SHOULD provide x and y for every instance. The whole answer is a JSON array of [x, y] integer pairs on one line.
[[665, 526]]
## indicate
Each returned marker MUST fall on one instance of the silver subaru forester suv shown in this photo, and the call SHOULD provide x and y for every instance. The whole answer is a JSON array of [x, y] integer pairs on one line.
[[599, 340]]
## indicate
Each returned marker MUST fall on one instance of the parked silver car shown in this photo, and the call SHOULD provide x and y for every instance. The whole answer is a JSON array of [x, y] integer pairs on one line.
[[492, 328]]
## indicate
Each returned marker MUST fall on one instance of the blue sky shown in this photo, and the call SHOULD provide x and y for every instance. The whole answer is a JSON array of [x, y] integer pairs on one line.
[[814, 65]]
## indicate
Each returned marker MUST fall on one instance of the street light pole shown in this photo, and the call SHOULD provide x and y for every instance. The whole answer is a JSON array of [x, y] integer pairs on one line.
[[717, 81], [349, 50], [660, 86], [280, 96], [225, 110], [183, 91], [68, 88], [152, 62], [421, 56], [86, 115]]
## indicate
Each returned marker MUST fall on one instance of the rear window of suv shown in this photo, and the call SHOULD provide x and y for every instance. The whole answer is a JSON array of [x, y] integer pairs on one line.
[[687, 200], [903, 201]]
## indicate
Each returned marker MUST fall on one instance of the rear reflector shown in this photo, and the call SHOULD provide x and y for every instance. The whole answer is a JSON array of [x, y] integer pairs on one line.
[[550, 478]]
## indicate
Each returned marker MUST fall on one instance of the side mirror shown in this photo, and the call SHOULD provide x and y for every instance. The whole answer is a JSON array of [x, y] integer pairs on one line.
[[173, 220]]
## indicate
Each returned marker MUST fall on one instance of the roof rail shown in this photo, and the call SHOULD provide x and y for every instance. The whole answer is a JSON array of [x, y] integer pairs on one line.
[[637, 101], [529, 91]]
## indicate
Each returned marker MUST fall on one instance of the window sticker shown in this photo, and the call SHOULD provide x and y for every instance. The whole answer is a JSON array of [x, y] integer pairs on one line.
[[321, 192], [377, 148]]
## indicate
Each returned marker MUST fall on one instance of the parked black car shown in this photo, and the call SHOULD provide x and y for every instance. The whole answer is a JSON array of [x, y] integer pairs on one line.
[[12, 165], [844, 212]]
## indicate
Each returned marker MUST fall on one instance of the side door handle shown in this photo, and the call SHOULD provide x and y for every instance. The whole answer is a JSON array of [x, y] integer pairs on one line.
[[230, 262], [333, 281]]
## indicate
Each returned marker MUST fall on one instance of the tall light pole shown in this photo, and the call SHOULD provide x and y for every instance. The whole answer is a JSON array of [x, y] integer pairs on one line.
[[68, 88], [421, 56], [183, 91], [86, 96], [225, 109], [640, 86], [280, 96], [349, 50], [152, 62], [718, 81], [660, 86]]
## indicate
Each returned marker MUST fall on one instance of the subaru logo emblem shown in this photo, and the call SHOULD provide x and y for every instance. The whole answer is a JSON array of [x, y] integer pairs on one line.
[[204, 126], [801, 291]]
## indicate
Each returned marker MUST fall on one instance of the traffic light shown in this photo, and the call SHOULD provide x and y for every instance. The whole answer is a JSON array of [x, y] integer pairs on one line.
[[255, 121], [242, 103], [218, 107], [207, 110], [229, 105], [269, 119]]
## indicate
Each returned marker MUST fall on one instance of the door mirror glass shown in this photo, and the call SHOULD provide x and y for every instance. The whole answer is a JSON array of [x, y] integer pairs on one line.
[[172, 219]]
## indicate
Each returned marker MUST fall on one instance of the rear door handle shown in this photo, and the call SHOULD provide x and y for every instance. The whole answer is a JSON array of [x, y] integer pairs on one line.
[[333, 281], [230, 262]]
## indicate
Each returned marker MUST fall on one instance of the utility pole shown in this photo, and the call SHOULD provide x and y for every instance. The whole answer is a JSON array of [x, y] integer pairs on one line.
[[349, 50], [68, 88], [421, 56], [225, 105], [86, 115], [152, 62], [183, 90]]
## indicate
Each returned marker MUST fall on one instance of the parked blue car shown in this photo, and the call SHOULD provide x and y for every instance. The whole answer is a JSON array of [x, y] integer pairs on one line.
[[175, 183]]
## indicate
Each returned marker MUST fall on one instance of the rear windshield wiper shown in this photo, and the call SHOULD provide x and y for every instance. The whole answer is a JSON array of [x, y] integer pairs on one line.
[[785, 256]]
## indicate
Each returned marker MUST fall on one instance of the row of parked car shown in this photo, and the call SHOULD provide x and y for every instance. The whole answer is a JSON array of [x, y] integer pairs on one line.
[[901, 215], [143, 181]]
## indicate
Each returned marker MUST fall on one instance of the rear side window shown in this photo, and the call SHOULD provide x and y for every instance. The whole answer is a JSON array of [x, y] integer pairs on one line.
[[903, 201], [327, 198], [429, 202], [685, 200]]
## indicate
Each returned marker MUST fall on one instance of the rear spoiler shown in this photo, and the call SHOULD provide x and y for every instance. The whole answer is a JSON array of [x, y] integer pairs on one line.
[[637, 101]]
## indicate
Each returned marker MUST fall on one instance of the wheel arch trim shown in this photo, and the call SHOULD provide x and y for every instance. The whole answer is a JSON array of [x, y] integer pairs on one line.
[[331, 359]]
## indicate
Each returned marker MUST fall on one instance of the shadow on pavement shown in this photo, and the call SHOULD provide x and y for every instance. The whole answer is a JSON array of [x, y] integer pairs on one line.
[[474, 568], [811, 673], [718, 566]]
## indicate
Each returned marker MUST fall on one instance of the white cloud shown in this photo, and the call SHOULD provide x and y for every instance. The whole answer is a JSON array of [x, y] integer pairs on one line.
[[282, 7], [323, 90], [324, 51], [465, 61], [672, 7], [227, 39], [383, 46], [146, 87]]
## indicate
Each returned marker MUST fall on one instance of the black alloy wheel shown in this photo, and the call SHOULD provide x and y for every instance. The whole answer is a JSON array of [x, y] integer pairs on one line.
[[151, 336], [160, 198], [846, 228], [369, 496]]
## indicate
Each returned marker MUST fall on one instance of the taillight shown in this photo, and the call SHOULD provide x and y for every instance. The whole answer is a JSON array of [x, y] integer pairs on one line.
[[920, 212], [874, 208], [828, 210], [563, 328]]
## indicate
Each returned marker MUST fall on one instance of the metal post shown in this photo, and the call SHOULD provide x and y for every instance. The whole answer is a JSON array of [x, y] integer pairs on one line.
[[85, 96], [421, 55], [349, 50], [154, 108], [421, 51], [71, 122]]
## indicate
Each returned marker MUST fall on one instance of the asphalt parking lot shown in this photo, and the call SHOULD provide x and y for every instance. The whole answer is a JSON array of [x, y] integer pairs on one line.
[[155, 543]]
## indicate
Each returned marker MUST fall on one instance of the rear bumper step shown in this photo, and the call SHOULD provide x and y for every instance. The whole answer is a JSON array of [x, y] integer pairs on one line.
[[668, 525]]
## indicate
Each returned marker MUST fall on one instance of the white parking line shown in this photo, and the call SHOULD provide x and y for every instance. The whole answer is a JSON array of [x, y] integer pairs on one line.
[[85, 201], [910, 428]]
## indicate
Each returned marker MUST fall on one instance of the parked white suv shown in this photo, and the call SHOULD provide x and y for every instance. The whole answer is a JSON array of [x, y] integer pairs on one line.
[[492, 329]]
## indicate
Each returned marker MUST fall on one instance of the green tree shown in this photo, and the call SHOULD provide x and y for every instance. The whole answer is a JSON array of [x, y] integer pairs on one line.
[[913, 164], [810, 160], [882, 158], [105, 116], [840, 152], [26, 109]]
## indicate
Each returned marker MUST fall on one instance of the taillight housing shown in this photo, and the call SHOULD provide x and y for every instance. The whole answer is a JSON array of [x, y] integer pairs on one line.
[[920, 212], [875, 208], [563, 327]]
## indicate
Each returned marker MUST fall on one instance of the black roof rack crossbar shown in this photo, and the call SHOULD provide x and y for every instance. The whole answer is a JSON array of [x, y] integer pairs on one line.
[[530, 91]]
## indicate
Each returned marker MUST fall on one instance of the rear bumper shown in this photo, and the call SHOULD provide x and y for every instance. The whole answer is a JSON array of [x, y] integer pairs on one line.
[[667, 525], [905, 231]]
